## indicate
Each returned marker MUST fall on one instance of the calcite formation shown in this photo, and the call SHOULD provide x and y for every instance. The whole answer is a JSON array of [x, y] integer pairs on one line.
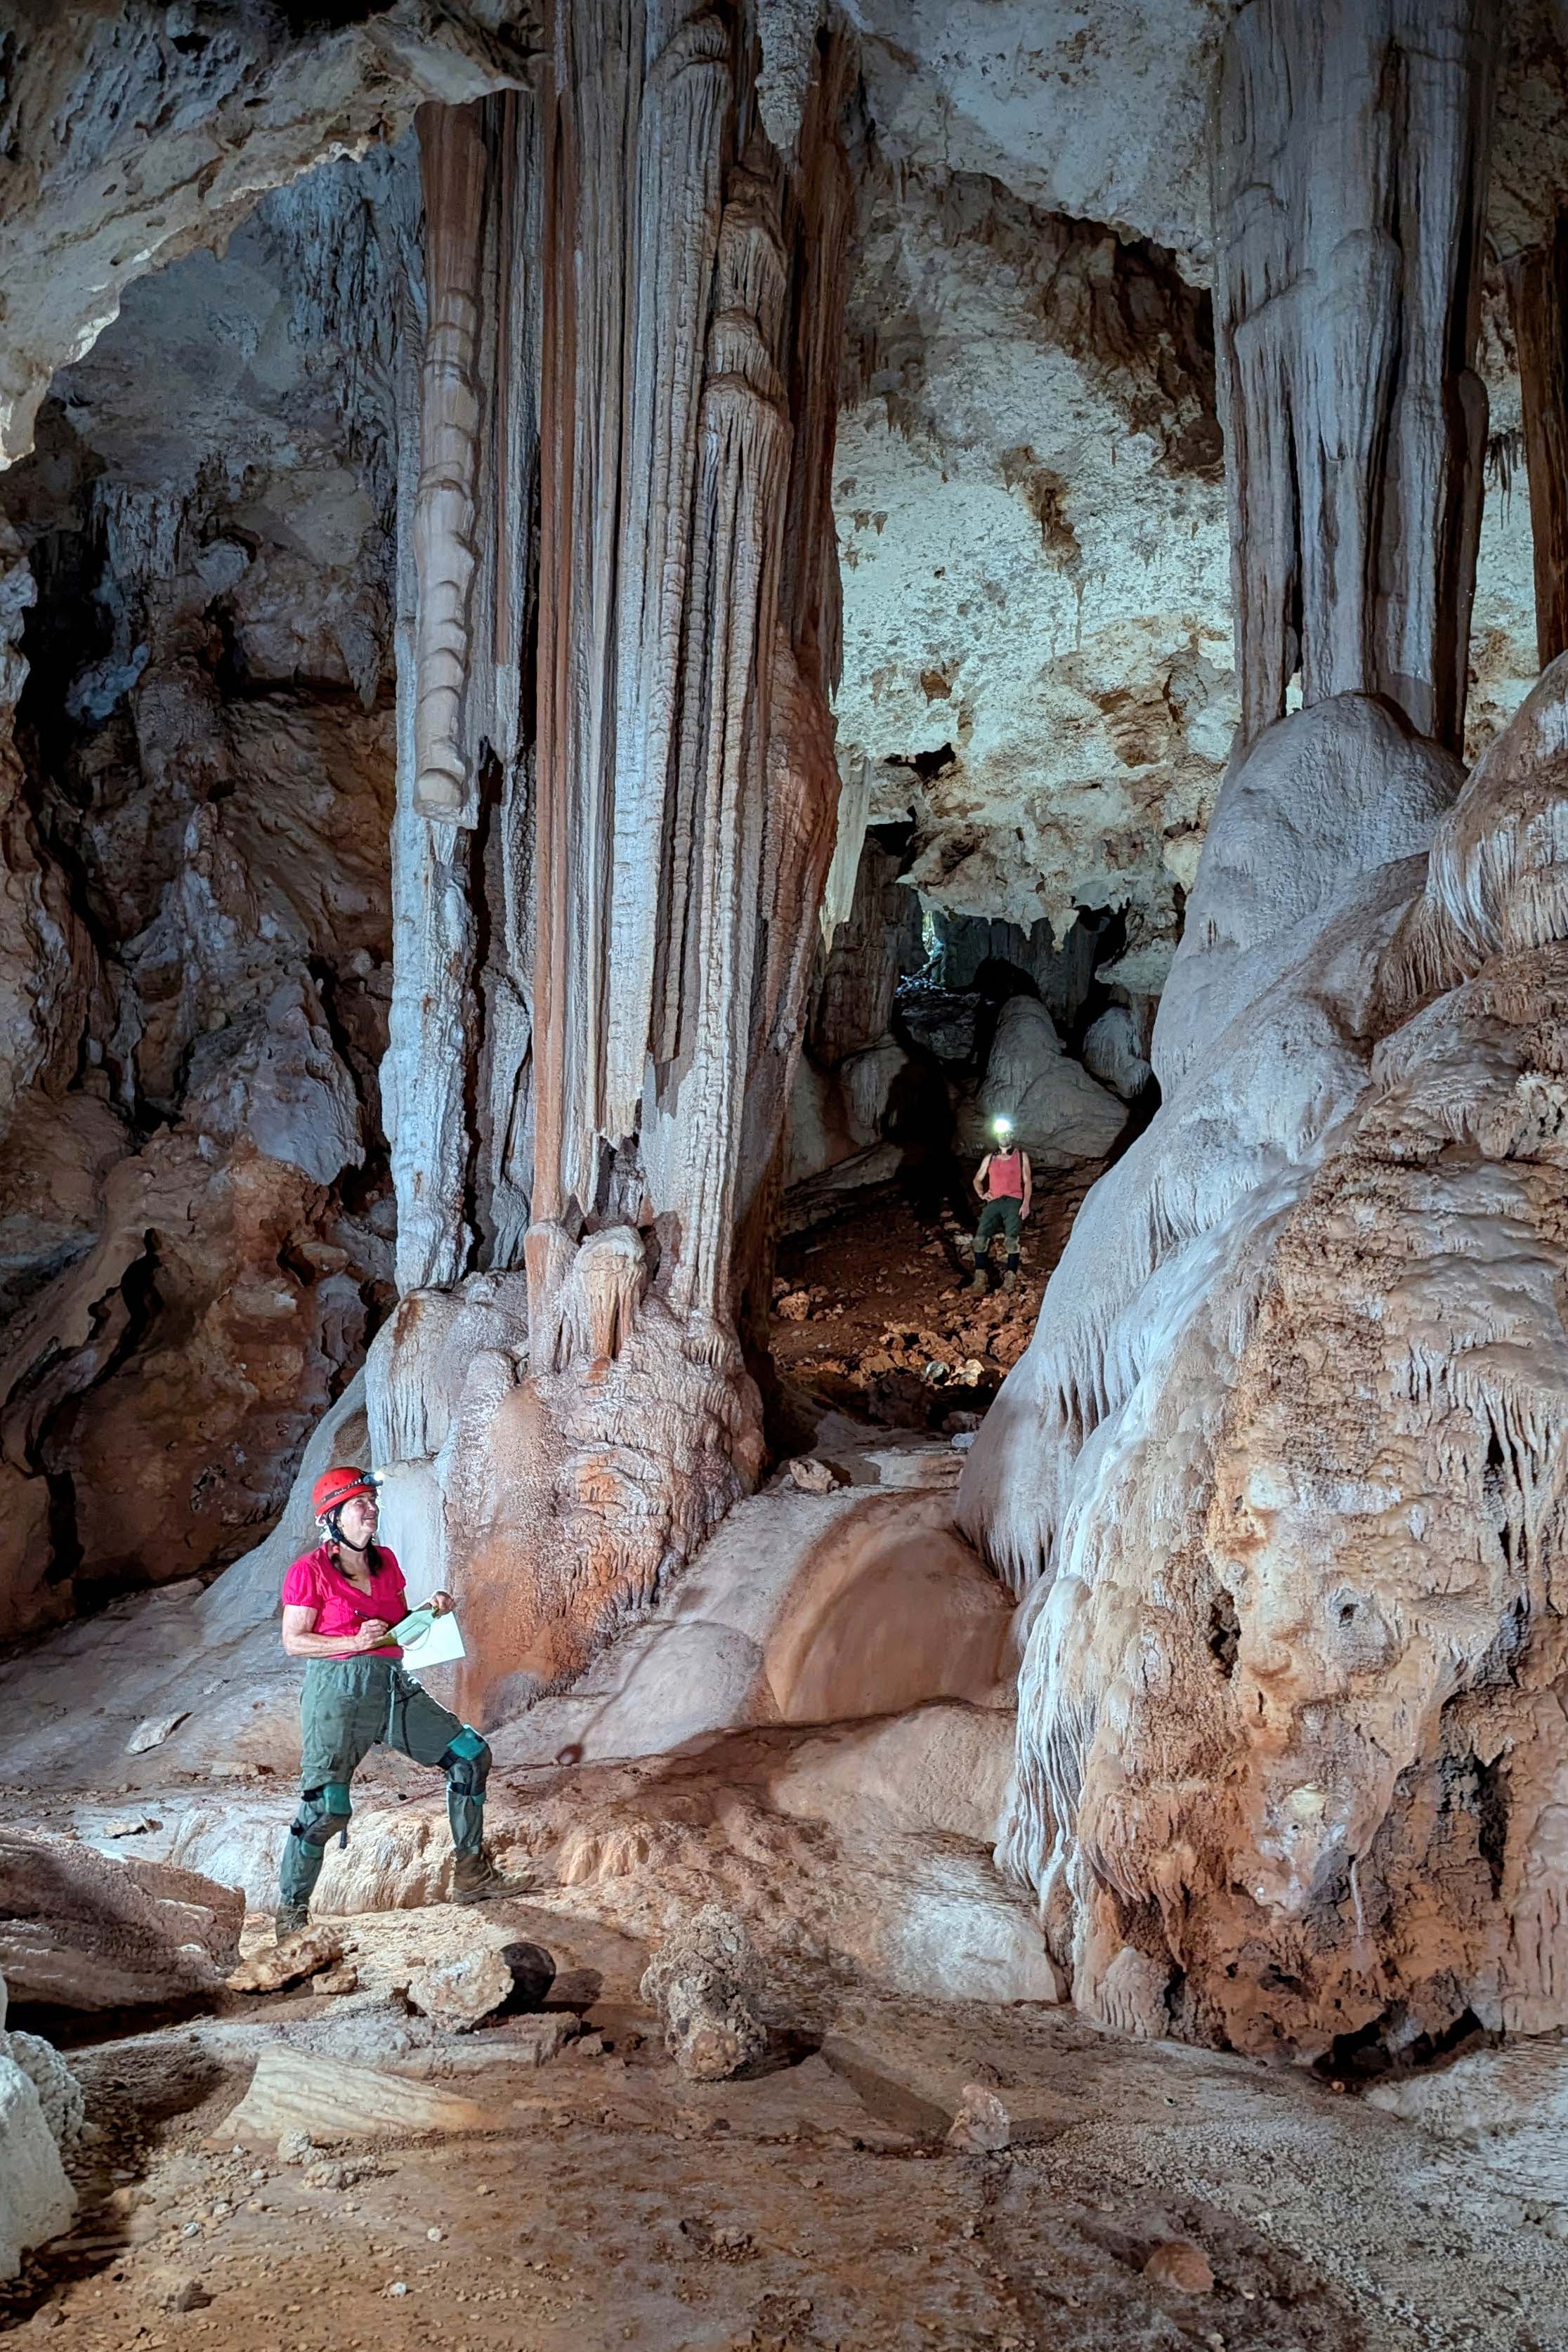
[[1278, 1472], [467, 855]]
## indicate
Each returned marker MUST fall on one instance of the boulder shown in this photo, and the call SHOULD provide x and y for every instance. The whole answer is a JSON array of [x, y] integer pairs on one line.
[[837, 1113], [981, 2126], [1059, 1113], [939, 1023], [1113, 1052], [295, 2091], [458, 1993], [277, 1965], [704, 1983], [1177, 2262], [80, 1929], [59, 2092], [36, 2200]]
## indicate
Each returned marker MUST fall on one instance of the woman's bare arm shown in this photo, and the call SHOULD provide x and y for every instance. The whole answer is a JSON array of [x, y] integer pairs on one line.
[[302, 1641]]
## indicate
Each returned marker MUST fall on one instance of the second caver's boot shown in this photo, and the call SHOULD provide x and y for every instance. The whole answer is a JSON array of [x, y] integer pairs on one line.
[[476, 1879], [1010, 1280], [977, 1280], [290, 1919]]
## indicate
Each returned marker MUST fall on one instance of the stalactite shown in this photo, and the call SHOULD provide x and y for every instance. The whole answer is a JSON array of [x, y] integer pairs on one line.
[[431, 930], [1347, 305], [684, 112], [454, 167], [742, 470], [1538, 304], [506, 1137], [458, 1075]]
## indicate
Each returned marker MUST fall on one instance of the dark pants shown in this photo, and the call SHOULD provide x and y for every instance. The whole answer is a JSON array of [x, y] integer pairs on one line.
[[348, 1706], [1004, 1216]]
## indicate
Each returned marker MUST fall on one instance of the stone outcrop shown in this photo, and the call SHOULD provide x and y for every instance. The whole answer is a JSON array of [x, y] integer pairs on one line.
[[1058, 1111], [1325, 1572], [139, 135], [79, 1930], [1032, 519], [1286, 1431], [36, 2200], [40, 2113], [193, 1195], [302, 2092]]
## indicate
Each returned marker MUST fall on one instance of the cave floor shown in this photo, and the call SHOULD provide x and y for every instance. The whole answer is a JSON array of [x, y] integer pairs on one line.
[[870, 1312], [814, 2205]]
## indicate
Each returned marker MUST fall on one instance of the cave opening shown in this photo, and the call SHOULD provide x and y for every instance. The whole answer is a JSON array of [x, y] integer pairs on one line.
[[206, 737], [925, 1023]]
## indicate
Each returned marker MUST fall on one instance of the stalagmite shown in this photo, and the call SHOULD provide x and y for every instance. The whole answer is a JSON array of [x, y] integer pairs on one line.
[[1279, 1471]]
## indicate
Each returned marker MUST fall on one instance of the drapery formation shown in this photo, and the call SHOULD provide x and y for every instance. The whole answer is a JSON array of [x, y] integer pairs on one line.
[[1350, 190], [616, 797], [1279, 1477]]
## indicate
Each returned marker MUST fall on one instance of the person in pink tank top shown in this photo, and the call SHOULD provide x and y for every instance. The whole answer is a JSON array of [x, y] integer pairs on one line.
[[1006, 1183]]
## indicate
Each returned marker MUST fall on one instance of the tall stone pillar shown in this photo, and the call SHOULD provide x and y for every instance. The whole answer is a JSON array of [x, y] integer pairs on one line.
[[617, 802], [1350, 188]]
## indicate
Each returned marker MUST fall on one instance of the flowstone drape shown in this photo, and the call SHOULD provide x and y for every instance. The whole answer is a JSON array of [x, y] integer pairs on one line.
[[616, 806], [1349, 190], [1280, 1475]]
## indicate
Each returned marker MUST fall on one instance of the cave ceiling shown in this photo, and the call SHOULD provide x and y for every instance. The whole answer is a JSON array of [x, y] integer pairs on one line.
[[1028, 490]]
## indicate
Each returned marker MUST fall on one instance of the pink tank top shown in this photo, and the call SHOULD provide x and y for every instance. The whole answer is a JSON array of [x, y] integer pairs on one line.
[[1005, 1177]]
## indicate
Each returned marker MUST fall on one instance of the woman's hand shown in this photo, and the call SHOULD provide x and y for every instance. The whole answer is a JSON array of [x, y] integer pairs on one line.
[[440, 1602], [372, 1633]]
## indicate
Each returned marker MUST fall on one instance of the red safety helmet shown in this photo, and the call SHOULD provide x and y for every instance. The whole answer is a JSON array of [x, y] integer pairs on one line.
[[333, 1488]]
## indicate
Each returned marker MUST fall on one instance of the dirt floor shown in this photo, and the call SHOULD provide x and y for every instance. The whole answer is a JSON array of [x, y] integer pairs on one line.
[[871, 1312], [815, 2205], [1149, 2196]]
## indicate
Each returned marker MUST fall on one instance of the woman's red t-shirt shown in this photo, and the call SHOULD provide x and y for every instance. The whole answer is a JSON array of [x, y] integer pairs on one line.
[[341, 1608]]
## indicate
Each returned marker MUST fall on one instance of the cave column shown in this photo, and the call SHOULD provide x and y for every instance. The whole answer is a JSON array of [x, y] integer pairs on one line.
[[618, 799], [1350, 192]]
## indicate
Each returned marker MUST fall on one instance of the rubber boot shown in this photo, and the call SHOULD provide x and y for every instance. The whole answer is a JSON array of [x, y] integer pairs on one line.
[[476, 1879], [290, 1919], [977, 1279], [1010, 1280]]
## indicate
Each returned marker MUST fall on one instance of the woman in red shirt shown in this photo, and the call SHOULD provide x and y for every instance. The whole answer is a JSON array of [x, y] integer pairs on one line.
[[341, 1602]]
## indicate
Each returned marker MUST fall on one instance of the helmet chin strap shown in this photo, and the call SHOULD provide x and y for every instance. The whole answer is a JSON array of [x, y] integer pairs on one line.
[[334, 1528]]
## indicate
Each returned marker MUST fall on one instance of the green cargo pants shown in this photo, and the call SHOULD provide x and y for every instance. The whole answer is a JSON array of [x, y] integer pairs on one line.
[[1002, 1216], [348, 1706]]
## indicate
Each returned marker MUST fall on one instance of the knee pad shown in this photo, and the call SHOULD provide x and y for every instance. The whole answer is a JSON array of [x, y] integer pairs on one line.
[[320, 1828], [466, 1764]]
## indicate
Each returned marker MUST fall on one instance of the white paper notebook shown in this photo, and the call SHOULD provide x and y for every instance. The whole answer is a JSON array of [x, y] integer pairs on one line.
[[438, 1647]]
